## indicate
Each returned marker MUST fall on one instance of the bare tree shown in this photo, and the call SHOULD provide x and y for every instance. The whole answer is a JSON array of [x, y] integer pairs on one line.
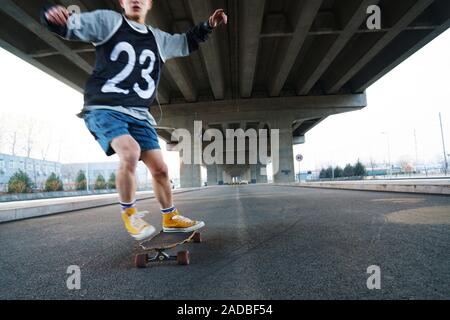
[[28, 147], [405, 163], [2, 131], [13, 140], [372, 166], [44, 151], [59, 149], [29, 139]]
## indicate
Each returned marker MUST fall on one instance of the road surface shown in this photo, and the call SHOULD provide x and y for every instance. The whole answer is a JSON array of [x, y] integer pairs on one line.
[[261, 242]]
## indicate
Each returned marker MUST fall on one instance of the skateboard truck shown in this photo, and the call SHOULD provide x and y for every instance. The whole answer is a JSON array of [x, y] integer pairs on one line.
[[182, 257]]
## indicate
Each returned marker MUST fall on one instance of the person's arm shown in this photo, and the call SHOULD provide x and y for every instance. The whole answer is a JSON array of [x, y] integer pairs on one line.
[[182, 45], [96, 26]]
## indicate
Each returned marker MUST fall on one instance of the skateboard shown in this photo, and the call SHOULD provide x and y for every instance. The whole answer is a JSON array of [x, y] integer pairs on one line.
[[162, 242]]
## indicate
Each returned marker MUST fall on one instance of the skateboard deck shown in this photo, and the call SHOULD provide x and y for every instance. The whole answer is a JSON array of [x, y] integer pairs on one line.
[[162, 242]]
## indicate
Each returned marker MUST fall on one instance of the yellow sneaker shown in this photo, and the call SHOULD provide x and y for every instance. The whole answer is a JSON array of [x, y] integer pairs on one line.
[[174, 222], [135, 225]]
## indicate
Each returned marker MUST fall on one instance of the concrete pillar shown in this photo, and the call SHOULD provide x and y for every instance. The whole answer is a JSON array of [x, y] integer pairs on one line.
[[261, 178], [190, 174], [227, 177], [253, 169], [247, 175], [212, 175], [256, 174], [219, 174], [286, 171]]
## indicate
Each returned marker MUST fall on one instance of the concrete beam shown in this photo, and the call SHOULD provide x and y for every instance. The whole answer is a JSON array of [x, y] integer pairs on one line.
[[413, 12], [15, 12], [299, 140], [359, 84], [183, 80], [269, 104], [251, 19], [163, 95], [305, 14], [305, 85], [330, 31], [46, 53], [78, 3], [178, 71], [5, 45], [201, 10]]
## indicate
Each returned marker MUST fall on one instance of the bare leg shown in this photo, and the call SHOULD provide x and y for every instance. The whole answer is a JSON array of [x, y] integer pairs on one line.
[[161, 183], [128, 151]]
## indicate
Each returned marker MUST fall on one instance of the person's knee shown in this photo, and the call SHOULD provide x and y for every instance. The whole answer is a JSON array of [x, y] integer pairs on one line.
[[129, 159], [128, 150], [161, 172]]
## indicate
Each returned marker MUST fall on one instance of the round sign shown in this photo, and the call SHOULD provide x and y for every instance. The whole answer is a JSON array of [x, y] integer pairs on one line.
[[299, 158]]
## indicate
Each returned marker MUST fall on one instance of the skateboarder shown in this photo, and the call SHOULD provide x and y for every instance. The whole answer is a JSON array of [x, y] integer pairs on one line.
[[129, 59]]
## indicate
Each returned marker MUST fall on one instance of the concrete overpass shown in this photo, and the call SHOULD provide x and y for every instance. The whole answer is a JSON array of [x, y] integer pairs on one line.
[[279, 64]]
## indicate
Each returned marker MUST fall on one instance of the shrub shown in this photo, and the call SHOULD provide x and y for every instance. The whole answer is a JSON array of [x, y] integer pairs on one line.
[[100, 183], [20, 182], [81, 181], [112, 181], [360, 169], [53, 183], [349, 171], [338, 172]]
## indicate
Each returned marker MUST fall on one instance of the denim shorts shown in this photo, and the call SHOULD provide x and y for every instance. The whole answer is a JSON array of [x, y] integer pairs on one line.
[[106, 125]]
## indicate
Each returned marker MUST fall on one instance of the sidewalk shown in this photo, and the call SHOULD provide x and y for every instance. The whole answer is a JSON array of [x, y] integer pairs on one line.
[[439, 187], [18, 210]]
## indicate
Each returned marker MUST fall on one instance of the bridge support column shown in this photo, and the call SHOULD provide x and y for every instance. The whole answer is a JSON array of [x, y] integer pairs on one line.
[[256, 175], [285, 160], [219, 174], [212, 175], [261, 173], [190, 174]]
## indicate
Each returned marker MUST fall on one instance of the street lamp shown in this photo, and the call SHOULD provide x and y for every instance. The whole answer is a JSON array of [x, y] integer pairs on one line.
[[443, 145], [389, 151]]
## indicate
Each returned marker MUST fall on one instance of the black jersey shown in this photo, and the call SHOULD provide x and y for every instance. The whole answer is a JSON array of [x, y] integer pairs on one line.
[[127, 70], [128, 60]]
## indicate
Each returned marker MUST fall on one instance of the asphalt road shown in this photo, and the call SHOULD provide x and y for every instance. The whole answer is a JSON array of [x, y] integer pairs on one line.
[[261, 242]]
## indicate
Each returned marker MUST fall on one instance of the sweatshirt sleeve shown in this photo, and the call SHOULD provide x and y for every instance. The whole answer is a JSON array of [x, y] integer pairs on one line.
[[96, 26], [181, 45]]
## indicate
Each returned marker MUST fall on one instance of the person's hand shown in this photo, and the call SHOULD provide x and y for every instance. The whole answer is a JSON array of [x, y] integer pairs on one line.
[[217, 18], [57, 15]]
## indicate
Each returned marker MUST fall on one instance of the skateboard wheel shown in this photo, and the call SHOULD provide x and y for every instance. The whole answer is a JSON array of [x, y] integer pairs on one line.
[[141, 260], [197, 238], [183, 258]]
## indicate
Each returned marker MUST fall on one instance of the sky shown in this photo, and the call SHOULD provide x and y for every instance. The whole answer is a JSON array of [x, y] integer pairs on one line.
[[406, 101]]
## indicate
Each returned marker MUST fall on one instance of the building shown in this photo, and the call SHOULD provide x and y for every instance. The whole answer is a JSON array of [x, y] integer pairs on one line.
[[37, 170], [69, 173], [40, 170]]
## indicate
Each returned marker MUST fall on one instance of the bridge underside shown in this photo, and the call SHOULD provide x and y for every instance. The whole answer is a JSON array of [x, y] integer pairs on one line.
[[284, 64]]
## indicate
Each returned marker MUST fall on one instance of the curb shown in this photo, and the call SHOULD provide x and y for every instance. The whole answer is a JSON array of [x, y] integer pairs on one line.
[[9, 215], [400, 188]]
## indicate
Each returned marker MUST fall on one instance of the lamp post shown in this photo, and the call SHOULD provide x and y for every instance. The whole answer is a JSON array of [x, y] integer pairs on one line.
[[389, 151], [443, 146], [87, 176]]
